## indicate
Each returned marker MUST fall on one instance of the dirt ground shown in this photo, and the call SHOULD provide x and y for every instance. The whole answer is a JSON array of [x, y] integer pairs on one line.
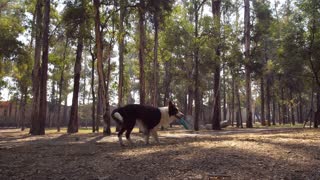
[[228, 154]]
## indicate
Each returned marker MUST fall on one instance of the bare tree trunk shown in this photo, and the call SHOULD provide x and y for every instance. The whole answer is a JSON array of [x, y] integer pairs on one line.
[[155, 60], [247, 56], [35, 124], [300, 109], [44, 68], [263, 121], [217, 107], [273, 111], [142, 46], [74, 120], [93, 108], [60, 85], [121, 51], [232, 100], [268, 97], [196, 73], [317, 114]]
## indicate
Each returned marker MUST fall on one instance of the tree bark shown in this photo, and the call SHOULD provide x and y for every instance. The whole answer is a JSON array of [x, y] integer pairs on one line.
[[142, 46], [35, 124], [217, 107], [196, 73], [155, 60], [73, 122], [247, 59], [44, 69], [93, 108], [268, 97], [121, 51], [61, 84], [263, 121]]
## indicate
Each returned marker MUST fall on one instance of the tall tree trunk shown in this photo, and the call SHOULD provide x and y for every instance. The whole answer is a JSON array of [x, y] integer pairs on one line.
[[196, 73], [224, 94], [316, 120], [300, 109], [274, 111], [247, 65], [268, 97], [35, 124], [61, 84], [24, 95], [167, 81], [44, 68], [232, 100], [121, 51], [106, 115], [155, 60], [217, 107], [263, 121], [292, 109], [73, 122], [284, 115], [102, 82], [142, 46], [93, 108]]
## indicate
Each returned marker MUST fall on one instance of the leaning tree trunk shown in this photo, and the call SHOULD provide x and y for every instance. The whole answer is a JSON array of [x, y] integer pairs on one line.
[[73, 122], [216, 106], [247, 66], [35, 124], [142, 46]]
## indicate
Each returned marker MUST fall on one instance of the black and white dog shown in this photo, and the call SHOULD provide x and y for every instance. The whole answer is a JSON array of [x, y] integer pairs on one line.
[[148, 118]]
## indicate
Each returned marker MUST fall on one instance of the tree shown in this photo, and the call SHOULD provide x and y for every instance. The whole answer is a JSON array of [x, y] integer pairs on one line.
[[217, 107], [75, 17], [247, 60]]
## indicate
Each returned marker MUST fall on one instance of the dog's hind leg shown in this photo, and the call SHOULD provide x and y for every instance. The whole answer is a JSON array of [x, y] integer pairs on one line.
[[120, 135], [129, 129]]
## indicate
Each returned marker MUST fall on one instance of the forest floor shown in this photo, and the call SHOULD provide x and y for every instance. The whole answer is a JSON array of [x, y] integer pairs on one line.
[[260, 153]]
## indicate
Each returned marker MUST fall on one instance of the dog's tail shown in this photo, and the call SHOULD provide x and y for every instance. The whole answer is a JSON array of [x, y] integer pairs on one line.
[[116, 116]]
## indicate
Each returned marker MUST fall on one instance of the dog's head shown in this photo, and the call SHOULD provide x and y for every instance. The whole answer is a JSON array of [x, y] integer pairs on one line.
[[174, 111]]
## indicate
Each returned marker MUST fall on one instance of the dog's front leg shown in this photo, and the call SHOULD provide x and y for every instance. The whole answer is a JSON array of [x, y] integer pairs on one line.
[[146, 136], [155, 135]]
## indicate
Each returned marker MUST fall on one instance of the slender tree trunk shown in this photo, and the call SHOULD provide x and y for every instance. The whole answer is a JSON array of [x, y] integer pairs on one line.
[[217, 107], [232, 100], [239, 106], [74, 120], [106, 115], [44, 68], [268, 97], [300, 109], [155, 60], [292, 109], [99, 109], [93, 108], [196, 73], [247, 57], [24, 94], [142, 46], [317, 114], [61, 84], [224, 95], [273, 111], [284, 115], [102, 83], [35, 124], [121, 51], [167, 81], [263, 121]]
